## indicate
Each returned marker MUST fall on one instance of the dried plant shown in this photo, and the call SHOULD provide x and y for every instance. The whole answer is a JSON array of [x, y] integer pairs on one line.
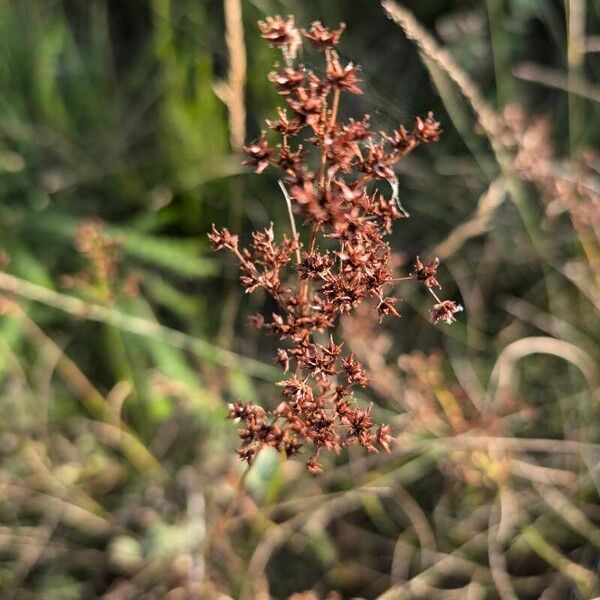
[[345, 259], [566, 186], [102, 278]]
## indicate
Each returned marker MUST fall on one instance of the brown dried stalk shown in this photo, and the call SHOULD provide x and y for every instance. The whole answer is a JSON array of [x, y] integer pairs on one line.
[[345, 260]]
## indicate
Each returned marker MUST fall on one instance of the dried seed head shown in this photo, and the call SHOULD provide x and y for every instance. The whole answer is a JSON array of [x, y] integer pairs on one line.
[[341, 77], [346, 261], [220, 239], [386, 307], [427, 273], [445, 311], [314, 466], [284, 125], [281, 33], [259, 153], [428, 129], [383, 437], [323, 38], [287, 80]]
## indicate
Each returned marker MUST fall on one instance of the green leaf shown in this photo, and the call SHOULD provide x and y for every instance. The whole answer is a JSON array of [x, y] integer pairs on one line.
[[176, 255]]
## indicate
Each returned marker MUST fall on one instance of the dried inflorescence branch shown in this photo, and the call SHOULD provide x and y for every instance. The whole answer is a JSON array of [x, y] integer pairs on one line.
[[344, 259], [103, 278]]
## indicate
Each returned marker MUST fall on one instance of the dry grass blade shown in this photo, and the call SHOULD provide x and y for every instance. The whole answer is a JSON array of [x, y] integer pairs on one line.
[[478, 224], [572, 515], [592, 43], [95, 403], [489, 120], [235, 95], [70, 510], [330, 508], [503, 374], [586, 580], [420, 524], [496, 557], [288, 204], [102, 314], [559, 81]]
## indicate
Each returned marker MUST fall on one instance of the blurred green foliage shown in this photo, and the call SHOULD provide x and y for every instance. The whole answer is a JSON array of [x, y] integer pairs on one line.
[[108, 110]]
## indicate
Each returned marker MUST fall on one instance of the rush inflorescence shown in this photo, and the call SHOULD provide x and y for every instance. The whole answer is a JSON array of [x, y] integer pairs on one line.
[[333, 182]]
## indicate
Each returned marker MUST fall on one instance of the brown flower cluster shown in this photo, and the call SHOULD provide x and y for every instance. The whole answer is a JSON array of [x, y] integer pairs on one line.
[[341, 260], [566, 185], [103, 278]]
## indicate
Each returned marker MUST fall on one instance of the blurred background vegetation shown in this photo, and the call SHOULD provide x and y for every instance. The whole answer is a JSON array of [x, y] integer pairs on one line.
[[122, 337]]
